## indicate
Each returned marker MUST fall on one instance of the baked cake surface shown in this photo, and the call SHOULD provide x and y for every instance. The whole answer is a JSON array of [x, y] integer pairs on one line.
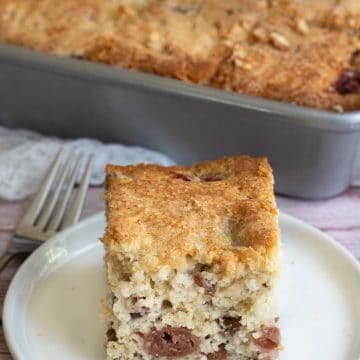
[[302, 52], [192, 258]]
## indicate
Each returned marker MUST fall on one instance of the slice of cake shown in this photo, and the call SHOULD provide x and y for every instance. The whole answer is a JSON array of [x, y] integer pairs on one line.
[[192, 258]]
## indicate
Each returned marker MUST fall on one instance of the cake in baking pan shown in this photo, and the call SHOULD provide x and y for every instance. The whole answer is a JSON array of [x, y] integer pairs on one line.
[[192, 259], [302, 52]]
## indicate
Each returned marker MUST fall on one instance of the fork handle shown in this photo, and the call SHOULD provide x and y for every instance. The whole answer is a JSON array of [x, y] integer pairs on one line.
[[6, 258]]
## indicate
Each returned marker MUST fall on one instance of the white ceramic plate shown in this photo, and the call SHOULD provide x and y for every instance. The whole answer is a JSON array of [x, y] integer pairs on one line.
[[51, 308]]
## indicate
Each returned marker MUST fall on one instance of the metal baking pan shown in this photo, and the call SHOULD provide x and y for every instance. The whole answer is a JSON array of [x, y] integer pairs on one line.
[[312, 152]]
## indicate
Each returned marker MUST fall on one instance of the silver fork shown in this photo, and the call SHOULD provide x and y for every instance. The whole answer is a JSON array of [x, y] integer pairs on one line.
[[49, 212]]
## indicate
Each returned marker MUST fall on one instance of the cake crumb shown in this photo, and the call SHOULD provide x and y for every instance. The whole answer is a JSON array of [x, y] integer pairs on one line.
[[302, 26], [260, 34], [279, 41], [155, 41], [338, 108], [240, 59]]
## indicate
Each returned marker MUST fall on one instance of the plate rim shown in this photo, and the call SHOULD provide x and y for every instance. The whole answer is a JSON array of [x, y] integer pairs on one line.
[[6, 324]]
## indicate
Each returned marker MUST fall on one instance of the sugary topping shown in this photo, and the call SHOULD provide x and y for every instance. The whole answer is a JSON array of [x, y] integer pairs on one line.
[[218, 213]]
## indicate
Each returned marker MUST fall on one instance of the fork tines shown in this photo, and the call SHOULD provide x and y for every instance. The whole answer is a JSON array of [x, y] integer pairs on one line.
[[51, 210]]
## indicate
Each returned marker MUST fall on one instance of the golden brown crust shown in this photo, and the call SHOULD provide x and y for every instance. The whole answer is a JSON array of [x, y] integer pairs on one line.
[[303, 73], [289, 50], [65, 27], [217, 212], [113, 51]]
